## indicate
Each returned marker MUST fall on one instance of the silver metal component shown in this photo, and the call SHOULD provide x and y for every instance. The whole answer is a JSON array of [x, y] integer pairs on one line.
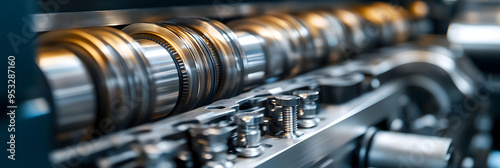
[[248, 133], [328, 35], [117, 65], [175, 67], [288, 43], [194, 58], [75, 100], [476, 29], [342, 125], [308, 108], [390, 22], [393, 149], [288, 107], [209, 144], [254, 58], [165, 75], [355, 28], [227, 51]]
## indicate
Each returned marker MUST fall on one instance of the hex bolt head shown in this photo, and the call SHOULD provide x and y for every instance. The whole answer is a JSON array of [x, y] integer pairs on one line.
[[287, 100], [248, 118], [307, 95]]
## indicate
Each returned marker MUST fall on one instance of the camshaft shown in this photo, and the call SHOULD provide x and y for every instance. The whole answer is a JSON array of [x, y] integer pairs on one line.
[[106, 79]]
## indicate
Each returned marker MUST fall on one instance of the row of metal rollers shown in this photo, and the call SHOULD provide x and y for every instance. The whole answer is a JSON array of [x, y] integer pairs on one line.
[[147, 71]]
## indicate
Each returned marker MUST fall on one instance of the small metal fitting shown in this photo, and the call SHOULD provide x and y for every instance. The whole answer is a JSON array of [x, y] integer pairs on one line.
[[288, 105], [248, 133], [308, 108], [209, 145]]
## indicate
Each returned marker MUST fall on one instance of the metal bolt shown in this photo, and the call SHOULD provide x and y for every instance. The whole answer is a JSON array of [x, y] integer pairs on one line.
[[307, 109], [209, 145], [248, 133], [288, 105]]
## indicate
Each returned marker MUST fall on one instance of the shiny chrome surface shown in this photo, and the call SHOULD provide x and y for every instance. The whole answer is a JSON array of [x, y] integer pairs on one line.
[[149, 71], [410, 150], [74, 99], [165, 75], [327, 35], [194, 58], [318, 145], [477, 30], [255, 58], [115, 62], [247, 89], [227, 51]]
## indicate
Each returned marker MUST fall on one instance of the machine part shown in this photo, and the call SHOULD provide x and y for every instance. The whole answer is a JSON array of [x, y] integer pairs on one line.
[[288, 107], [394, 149], [390, 22], [329, 139], [209, 144], [289, 48], [194, 58], [248, 133], [229, 55], [164, 69], [255, 59], [476, 29], [328, 35], [307, 108], [108, 55], [165, 74], [340, 89], [74, 99], [356, 31]]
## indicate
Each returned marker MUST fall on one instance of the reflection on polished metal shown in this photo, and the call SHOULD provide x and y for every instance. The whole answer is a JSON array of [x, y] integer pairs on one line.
[[154, 70], [255, 59], [356, 31], [335, 136], [288, 107], [194, 58], [327, 33], [248, 133], [391, 23], [393, 149], [308, 108], [210, 145], [163, 70], [227, 52], [477, 30], [116, 63], [74, 98]]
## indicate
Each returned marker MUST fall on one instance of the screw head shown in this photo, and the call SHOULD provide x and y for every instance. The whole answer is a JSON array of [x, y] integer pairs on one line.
[[287, 100], [307, 95], [248, 118]]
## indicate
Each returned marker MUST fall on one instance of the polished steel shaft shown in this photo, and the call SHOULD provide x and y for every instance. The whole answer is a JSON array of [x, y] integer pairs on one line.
[[151, 70]]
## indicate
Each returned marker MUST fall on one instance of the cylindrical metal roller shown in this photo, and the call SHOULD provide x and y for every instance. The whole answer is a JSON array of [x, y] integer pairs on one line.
[[194, 58], [227, 51], [255, 58], [116, 65], [165, 74], [75, 100], [393, 149], [389, 21], [283, 50], [152, 70], [358, 31], [327, 33]]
